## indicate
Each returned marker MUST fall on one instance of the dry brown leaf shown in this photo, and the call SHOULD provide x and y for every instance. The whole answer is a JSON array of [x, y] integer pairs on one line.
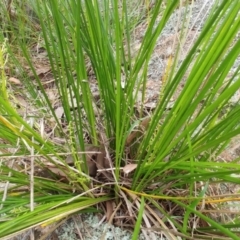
[[109, 208], [95, 160], [52, 94], [59, 112], [14, 81], [43, 70], [92, 168], [129, 168], [44, 172], [21, 101], [139, 131]]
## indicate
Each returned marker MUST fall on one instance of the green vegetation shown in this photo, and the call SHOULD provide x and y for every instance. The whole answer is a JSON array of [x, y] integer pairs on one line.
[[84, 137]]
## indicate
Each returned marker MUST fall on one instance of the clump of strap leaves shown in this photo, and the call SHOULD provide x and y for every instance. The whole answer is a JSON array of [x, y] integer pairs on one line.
[[85, 137]]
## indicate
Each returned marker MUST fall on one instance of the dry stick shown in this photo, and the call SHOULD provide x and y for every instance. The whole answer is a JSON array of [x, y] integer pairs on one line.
[[153, 213], [77, 227], [10, 173], [7, 183], [110, 220], [146, 220], [52, 229], [172, 232], [51, 155], [114, 212], [32, 181]]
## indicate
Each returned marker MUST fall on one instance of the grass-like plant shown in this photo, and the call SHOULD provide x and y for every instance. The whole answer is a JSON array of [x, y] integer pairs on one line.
[[105, 147]]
